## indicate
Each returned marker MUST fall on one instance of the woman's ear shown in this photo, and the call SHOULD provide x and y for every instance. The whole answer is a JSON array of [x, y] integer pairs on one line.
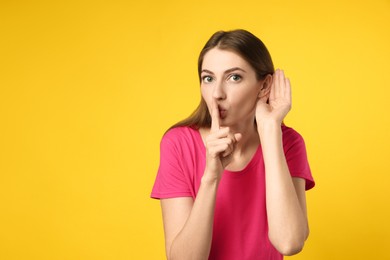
[[265, 88]]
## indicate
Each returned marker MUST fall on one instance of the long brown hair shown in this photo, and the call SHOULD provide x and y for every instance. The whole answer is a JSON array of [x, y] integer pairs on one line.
[[245, 44]]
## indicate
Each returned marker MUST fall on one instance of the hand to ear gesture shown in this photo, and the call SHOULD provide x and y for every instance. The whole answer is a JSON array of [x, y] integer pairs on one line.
[[279, 101], [220, 144]]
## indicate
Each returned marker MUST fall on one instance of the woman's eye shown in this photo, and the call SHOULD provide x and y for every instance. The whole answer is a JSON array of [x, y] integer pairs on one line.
[[207, 79], [236, 77]]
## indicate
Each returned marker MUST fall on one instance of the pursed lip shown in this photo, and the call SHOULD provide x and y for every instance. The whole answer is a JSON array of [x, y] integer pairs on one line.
[[222, 112], [220, 108]]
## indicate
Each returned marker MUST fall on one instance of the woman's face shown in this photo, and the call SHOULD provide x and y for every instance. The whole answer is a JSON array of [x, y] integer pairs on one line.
[[231, 82]]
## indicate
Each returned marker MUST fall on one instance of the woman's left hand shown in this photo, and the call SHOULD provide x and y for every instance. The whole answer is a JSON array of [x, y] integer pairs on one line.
[[279, 101]]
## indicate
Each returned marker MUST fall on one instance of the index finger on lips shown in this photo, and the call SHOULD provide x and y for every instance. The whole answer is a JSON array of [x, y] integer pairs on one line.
[[214, 116]]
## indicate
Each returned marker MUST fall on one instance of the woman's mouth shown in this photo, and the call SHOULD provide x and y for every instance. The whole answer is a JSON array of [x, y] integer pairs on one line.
[[222, 113]]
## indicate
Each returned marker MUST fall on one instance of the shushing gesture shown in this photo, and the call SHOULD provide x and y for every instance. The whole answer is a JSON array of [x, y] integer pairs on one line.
[[279, 100], [220, 144]]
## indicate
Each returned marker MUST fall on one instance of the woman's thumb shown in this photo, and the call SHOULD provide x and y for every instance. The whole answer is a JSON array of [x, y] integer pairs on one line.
[[238, 137]]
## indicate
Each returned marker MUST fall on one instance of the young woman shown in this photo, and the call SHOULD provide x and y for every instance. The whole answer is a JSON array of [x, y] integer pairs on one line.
[[232, 176]]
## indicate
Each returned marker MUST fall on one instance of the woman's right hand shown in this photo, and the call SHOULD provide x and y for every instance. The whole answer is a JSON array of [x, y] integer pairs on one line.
[[220, 144]]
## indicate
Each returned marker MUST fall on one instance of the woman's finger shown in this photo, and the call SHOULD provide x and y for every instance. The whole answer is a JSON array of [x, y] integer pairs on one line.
[[282, 84], [272, 92], [231, 140], [220, 133], [227, 140], [214, 116], [219, 149], [288, 90], [276, 85]]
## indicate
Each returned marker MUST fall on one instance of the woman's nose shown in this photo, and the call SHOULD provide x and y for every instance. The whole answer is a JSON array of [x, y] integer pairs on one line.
[[218, 91]]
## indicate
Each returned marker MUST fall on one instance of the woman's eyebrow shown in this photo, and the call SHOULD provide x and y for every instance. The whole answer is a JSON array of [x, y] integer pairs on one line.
[[207, 71], [234, 69], [226, 71]]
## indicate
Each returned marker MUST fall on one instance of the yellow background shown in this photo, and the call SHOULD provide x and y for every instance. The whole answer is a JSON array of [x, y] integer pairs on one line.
[[87, 88]]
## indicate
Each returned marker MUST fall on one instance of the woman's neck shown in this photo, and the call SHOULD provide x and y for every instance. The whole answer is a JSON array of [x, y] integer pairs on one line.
[[249, 141]]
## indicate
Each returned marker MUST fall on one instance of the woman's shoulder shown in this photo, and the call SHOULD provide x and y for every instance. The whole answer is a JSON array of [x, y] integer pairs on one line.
[[180, 131], [291, 136], [181, 134], [289, 131], [183, 140]]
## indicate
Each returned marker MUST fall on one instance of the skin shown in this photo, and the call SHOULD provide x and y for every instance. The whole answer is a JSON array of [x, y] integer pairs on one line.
[[236, 98]]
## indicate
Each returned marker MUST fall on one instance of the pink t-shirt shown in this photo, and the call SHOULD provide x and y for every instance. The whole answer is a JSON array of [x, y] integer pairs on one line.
[[240, 228]]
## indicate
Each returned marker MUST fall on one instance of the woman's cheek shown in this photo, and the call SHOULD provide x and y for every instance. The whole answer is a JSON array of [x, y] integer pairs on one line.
[[205, 96]]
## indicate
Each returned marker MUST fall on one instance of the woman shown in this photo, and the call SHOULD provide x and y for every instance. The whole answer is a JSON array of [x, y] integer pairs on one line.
[[232, 176]]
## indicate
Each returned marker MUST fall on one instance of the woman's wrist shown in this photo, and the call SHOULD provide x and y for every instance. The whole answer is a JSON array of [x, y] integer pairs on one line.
[[270, 126], [210, 178]]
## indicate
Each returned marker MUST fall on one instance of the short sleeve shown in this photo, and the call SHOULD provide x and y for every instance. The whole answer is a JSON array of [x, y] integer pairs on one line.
[[296, 157], [170, 180]]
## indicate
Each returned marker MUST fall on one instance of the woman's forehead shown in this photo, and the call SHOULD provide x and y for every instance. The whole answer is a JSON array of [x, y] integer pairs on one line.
[[218, 60]]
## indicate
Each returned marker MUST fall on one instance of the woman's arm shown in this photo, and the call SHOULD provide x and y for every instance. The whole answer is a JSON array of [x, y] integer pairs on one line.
[[286, 203], [188, 224], [285, 196]]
